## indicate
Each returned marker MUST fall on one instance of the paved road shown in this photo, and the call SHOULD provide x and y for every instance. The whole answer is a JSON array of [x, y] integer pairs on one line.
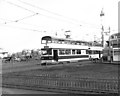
[[22, 91], [13, 91], [23, 66]]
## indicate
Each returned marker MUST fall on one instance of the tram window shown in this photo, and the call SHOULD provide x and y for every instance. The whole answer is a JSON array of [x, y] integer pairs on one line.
[[101, 52], [46, 52], [61, 51], [78, 51], [63, 42], [87, 51], [83, 51], [68, 51], [96, 52], [43, 41], [82, 43], [66, 42], [59, 41], [48, 41], [49, 52], [115, 45], [53, 41], [73, 51]]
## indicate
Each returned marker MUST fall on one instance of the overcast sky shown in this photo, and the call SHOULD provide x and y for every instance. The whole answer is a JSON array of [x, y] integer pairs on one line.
[[23, 22]]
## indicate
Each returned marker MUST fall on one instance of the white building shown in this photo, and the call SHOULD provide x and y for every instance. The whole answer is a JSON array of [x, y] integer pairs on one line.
[[3, 53]]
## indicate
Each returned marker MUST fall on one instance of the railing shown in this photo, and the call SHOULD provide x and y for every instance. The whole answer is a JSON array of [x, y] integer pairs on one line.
[[62, 84]]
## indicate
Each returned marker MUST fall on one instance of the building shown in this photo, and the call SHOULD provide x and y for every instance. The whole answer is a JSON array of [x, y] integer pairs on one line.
[[3, 53]]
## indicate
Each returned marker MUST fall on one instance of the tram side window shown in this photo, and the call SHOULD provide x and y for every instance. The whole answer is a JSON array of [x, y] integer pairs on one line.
[[90, 52], [53, 41], [96, 52], [46, 41], [73, 51], [78, 51], [46, 51], [68, 51], [61, 51], [87, 51], [83, 51]]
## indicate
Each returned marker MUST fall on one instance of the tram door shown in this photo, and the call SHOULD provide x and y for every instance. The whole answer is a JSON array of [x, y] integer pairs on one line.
[[99, 54], [55, 55]]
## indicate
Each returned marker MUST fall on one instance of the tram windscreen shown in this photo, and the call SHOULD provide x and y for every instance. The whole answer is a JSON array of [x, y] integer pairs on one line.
[[46, 51], [116, 51], [46, 39]]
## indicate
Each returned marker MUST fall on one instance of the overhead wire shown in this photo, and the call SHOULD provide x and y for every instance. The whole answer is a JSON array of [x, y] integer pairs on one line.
[[20, 6], [40, 8], [17, 20], [6, 21], [53, 12], [24, 28], [38, 12], [6, 25]]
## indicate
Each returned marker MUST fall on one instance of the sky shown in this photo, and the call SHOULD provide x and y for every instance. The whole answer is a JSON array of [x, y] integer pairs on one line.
[[24, 22]]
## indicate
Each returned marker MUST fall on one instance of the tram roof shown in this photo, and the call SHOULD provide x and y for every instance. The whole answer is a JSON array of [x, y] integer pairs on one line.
[[62, 39], [115, 36]]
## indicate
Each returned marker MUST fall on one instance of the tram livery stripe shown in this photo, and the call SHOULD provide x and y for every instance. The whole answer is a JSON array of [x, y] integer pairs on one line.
[[69, 57], [65, 57]]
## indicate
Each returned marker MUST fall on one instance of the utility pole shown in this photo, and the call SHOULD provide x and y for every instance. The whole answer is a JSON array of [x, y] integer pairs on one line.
[[110, 54], [102, 28]]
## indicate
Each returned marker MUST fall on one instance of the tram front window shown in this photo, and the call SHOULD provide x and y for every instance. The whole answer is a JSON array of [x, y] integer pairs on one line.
[[46, 41], [116, 52], [46, 51]]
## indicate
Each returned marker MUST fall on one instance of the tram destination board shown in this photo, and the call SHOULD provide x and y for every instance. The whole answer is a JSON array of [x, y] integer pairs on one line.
[[46, 47]]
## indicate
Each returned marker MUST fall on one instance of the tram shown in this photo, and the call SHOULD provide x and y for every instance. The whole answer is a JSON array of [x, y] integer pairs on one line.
[[59, 50], [112, 51], [95, 52]]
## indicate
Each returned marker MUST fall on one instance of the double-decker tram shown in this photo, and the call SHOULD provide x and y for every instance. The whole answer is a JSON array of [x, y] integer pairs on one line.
[[115, 44], [112, 51], [59, 50]]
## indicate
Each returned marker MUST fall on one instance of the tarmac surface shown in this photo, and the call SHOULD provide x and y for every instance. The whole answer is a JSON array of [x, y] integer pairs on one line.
[[26, 66], [23, 91]]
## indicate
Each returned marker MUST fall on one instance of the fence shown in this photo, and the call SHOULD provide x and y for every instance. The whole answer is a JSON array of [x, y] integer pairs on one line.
[[64, 84]]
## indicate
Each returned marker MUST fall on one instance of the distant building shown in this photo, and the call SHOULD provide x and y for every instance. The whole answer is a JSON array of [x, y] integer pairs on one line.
[[3, 53]]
